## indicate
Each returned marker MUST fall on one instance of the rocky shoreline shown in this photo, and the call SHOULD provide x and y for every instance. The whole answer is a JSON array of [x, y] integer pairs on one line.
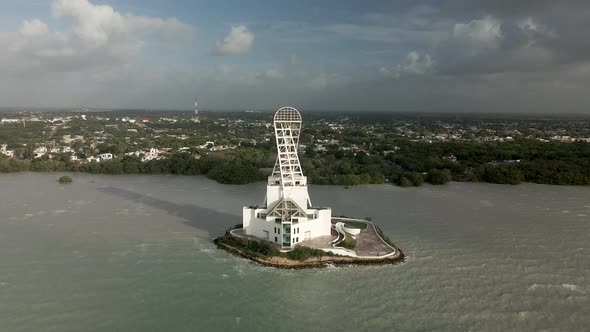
[[312, 262]]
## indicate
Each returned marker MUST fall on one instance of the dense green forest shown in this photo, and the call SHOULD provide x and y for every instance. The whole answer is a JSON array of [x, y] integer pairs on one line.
[[494, 162], [411, 165]]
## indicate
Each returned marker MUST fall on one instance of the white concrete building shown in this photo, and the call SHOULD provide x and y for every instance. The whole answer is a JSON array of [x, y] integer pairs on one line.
[[106, 156], [208, 144], [4, 150], [93, 159], [8, 153], [67, 139], [287, 216], [150, 154], [40, 152], [134, 153], [147, 155]]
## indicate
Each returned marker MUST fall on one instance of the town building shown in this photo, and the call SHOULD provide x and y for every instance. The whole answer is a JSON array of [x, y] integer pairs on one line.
[[40, 152], [4, 150], [92, 159], [150, 154], [106, 156]]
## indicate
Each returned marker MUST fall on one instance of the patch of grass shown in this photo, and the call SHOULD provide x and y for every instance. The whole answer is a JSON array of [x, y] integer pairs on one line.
[[263, 249], [355, 224], [266, 249], [301, 253], [349, 242]]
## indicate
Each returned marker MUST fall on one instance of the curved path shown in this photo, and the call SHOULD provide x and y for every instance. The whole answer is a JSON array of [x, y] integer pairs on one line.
[[369, 243]]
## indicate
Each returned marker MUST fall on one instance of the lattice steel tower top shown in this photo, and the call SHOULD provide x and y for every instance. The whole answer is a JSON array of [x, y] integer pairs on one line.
[[287, 123]]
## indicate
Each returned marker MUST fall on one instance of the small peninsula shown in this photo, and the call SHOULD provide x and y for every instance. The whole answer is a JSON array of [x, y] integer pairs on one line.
[[371, 247]]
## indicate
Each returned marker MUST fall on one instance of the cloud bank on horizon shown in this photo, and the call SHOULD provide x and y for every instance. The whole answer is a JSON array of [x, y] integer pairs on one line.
[[453, 55]]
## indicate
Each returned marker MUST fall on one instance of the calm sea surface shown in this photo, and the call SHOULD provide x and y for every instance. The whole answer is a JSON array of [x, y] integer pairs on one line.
[[134, 253]]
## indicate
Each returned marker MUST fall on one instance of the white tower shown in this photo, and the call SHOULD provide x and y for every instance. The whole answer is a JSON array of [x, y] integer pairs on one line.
[[287, 216]]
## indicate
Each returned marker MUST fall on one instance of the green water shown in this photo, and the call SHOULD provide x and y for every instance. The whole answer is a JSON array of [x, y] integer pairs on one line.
[[134, 253]]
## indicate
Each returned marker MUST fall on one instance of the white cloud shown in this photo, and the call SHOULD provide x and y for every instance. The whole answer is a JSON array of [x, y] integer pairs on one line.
[[528, 24], [478, 35], [272, 73], [415, 64], [238, 41], [482, 46], [34, 27], [534, 29], [99, 37]]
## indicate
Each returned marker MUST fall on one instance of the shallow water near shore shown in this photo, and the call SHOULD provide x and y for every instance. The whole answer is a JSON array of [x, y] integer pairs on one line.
[[135, 253]]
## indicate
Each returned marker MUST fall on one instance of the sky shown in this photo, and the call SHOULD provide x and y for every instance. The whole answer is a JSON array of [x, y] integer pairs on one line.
[[406, 55]]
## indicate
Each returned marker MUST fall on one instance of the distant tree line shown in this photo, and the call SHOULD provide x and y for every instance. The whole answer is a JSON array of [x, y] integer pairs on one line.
[[415, 163], [235, 167], [411, 165]]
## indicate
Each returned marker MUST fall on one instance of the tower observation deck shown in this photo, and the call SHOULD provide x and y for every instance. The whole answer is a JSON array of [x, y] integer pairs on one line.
[[287, 216]]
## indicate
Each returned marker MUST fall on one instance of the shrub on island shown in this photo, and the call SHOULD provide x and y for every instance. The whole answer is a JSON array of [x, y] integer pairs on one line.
[[438, 177], [355, 224], [404, 182], [265, 249], [349, 242], [409, 179], [261, 249], [302, 253], [64, 179]]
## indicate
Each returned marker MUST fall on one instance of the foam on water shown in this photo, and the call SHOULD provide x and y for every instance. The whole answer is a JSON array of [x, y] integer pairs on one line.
[[569, 287]]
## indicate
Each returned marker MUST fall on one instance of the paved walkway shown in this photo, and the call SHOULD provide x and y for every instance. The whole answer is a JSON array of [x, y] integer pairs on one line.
[[320, 242], [368, 243]]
